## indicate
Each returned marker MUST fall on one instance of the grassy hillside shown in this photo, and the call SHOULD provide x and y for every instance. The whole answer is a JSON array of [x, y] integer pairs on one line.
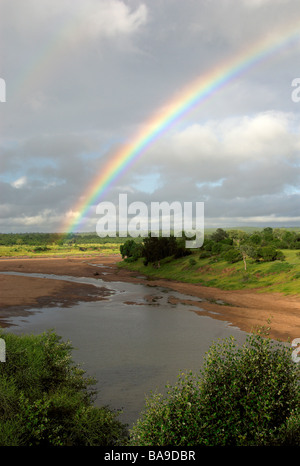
[[277, 276]]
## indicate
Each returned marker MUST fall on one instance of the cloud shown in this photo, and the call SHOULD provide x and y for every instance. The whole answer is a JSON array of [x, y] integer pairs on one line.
[[111, 18], [20, 182], [262, 3], [83, 77], [94, 18]]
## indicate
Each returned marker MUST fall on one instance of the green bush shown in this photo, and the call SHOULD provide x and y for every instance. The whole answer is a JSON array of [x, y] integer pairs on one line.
[[216, 248], [172, 420], [269, 253], [233, 255], [45, 399], [246, 395], [131, 250], [204, 254]]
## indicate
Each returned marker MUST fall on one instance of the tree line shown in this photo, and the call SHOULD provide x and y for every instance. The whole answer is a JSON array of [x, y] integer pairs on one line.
[[59, 239], [231, 245]]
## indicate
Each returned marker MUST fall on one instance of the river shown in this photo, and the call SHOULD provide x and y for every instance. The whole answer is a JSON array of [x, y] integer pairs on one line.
[[132, 346]]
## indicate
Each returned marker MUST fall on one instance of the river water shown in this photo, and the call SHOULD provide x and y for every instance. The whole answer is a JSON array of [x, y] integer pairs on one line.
[[130, 345]]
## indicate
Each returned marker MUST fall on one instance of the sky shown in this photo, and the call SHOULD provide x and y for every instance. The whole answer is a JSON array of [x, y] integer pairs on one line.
[[83, 76]]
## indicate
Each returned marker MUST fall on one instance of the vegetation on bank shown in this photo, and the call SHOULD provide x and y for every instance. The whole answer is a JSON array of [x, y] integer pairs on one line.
[[47, 400], [246, 395], [267, 260], [243, 396], [56, 244]]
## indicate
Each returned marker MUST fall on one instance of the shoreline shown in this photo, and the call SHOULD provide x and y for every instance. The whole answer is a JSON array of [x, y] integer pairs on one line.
[[244, 309]]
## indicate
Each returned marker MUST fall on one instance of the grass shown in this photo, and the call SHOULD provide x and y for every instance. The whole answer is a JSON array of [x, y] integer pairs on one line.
[[56, 250], [278, 276]]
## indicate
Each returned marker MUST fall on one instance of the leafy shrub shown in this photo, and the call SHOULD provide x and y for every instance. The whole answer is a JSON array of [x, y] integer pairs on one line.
[[289, 433], [192, 261], [207, 245], [246, 395], [172, 420], [131, 250], [216, 248], [248, 392], [41, 249], [232, 256], [181, 251], [47, 400], [219, 235], [269, 253], [204, 254]]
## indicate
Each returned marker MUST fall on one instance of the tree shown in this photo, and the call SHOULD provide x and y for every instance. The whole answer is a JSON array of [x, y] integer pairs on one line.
[[219, 235], [47, 400], [244, 396], [255, 239], [233, 255], [157, 248], [247, 250], [269, 253], [267, 234], [131, 250]]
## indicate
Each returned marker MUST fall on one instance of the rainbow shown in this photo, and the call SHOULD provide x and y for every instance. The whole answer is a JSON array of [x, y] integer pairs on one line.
[[197, 91]]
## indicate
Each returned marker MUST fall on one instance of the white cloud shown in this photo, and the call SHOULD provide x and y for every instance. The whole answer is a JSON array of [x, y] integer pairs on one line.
[[260, 3], [266, 135], [112, 18], [20, 182], [95, 20], [261, 136]]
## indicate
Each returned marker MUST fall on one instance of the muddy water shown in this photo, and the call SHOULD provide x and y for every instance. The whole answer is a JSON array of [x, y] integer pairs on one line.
[[133, 342]]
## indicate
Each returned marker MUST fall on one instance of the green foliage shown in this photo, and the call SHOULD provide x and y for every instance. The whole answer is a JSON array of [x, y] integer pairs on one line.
[[268, 254], [192, 261], [216, 248], [131, 250], [45, 244], [219, 235], [248, 392], [235, 245], [204, 254], [171, 420], [157, 248], [181, 250], [45, 399], [267, 234], [255, 239], [46, 239], [247, 395], [233, 255]]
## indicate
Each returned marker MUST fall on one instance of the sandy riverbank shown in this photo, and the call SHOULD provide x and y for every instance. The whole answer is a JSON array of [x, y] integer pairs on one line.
[[244, 309]]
